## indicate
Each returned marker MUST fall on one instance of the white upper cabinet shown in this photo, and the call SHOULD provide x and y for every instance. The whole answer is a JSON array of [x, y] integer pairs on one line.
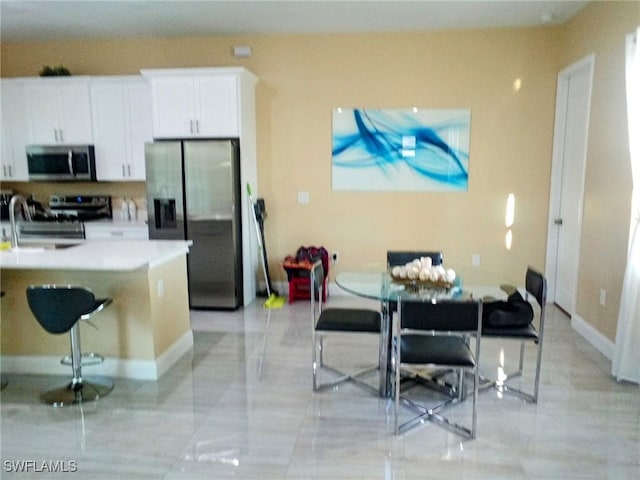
[[195, 103], [59, 111], [217, 105], [121, 111], [14, 132]]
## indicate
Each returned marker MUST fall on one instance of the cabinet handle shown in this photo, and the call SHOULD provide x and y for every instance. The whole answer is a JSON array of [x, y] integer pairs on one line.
[[191, 126], [123, 173], [197, 126], [10, 171], [70, 162], [4, 171], [55, 134], [129, 169]]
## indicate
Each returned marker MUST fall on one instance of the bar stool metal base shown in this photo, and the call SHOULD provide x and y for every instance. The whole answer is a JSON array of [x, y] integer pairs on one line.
[[87, 390]]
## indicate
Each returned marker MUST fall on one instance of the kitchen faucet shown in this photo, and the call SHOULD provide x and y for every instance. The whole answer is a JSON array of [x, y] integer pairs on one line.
[[12, 216]]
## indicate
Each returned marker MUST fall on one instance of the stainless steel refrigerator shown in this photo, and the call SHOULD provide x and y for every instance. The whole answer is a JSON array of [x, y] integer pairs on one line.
[[193, 193]]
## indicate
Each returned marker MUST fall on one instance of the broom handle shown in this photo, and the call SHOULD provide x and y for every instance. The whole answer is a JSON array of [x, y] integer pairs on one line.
[[259, 236]]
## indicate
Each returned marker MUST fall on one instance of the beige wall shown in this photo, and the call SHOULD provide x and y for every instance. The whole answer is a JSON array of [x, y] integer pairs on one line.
[[303, 77], [601, 30]]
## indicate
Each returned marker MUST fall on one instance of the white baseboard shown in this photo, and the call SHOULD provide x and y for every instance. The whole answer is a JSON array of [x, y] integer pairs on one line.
[[172, 354], [593, 336], [111, 367]]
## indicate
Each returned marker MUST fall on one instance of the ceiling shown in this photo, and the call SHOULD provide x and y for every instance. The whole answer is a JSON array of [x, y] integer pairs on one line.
[[25, 20]]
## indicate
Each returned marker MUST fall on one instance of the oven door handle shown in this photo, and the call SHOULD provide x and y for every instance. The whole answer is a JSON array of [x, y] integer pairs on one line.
[[70, 160]]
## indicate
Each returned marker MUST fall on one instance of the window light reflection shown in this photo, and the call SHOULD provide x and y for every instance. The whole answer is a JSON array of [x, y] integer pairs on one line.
[[517, 85], [509, 218], [510, 210]]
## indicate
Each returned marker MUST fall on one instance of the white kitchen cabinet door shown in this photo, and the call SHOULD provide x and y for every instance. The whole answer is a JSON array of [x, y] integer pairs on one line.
[[14, 132], [108, 112], [121, 113], [173, 107], [217, 102], [204, 106], [59, 112], [140, 127]]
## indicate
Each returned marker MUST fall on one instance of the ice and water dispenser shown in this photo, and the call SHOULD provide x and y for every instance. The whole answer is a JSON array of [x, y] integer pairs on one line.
[[164, 210]]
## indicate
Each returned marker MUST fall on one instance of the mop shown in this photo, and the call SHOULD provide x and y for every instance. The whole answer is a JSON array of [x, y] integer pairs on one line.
[[273, 299]]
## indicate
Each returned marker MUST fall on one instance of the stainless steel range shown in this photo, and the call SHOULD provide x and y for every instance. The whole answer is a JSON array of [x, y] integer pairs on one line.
[[63, 221]]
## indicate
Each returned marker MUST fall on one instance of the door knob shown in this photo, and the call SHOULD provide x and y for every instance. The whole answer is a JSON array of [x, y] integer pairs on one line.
[[558, 221]]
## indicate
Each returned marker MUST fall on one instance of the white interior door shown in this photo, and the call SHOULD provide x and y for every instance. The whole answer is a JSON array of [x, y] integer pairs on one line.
[[573, 103]]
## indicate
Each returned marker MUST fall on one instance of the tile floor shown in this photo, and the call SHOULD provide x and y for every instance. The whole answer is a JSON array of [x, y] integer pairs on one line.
[[241, 406]]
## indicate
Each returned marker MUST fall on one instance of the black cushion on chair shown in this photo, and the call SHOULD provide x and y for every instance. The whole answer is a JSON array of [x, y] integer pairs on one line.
[[514, 312], [57, 309], [349, 320], [441, 350], [528, 332]]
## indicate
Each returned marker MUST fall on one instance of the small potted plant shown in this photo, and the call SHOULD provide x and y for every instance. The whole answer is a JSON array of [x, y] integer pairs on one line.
[[58, 71]]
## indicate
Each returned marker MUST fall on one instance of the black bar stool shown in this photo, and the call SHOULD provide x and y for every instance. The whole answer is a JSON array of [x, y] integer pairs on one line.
[[58, 308]]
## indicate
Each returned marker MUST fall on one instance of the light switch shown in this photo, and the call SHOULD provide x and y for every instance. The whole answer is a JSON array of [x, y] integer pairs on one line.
[[303, 198]]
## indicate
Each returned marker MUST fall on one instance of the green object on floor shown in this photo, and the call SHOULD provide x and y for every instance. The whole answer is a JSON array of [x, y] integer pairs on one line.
[[274, 301]]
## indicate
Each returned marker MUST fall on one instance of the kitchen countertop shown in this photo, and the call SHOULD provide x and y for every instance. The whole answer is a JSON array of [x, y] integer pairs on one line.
[[96, 255]]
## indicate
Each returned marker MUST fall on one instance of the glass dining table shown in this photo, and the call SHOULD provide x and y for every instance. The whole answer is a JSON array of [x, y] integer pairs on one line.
[[375, 282]]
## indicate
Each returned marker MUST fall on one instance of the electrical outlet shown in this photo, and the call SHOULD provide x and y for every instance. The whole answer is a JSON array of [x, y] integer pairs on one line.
[[334, 257], [475, 259], [603, 297]]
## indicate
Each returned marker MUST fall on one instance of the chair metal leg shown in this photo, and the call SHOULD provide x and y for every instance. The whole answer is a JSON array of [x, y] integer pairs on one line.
[[340, 377], [502, 385], [384, 355], [432, 414], [79, 389]]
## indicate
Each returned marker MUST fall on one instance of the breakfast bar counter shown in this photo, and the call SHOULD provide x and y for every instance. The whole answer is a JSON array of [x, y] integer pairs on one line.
[[141, 334]]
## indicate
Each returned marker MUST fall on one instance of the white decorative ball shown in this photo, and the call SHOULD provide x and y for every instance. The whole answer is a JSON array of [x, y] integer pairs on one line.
[[451, 275], [426, 262]]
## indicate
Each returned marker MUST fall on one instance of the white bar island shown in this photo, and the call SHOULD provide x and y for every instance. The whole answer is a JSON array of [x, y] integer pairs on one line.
[[141, 334]]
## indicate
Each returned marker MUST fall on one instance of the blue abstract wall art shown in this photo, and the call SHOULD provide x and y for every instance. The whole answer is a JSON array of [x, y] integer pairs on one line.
[[400, 149]]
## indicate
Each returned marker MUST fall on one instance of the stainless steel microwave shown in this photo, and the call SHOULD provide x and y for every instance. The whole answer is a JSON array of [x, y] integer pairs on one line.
[[61, 163]]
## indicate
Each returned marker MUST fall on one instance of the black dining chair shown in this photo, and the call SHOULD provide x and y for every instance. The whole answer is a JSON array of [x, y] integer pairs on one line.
[[436, 335], [402, 257], [59, 309], [340, 321], [535, 287]]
